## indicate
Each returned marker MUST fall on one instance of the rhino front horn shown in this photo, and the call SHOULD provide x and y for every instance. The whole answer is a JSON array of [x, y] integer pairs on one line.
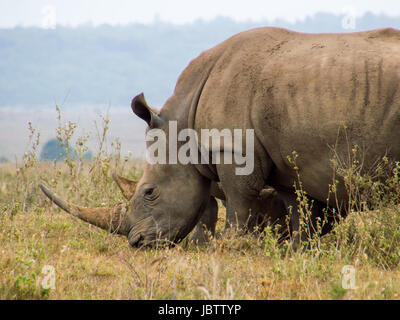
[[112, 219]]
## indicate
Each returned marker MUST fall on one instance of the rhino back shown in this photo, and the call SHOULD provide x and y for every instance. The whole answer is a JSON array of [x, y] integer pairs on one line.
[[307, 93]]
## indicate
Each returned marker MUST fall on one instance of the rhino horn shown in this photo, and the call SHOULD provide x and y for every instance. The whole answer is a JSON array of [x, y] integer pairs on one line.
[[126, 186], [112, 219]]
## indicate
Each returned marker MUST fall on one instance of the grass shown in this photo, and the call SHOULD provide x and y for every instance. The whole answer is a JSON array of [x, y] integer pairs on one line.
[[89, 263]]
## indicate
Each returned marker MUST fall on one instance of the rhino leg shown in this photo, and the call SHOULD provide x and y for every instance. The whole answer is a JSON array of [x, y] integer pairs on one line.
[[243, 203], [273, 211], [206, 226], [316, 214], [244, 213]]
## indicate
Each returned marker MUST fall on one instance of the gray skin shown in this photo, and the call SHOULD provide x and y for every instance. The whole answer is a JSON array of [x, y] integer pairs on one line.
[[316, 94], [204, 228]]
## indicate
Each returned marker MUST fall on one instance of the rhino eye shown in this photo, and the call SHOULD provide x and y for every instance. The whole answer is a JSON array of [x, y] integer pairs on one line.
[[150, 193]]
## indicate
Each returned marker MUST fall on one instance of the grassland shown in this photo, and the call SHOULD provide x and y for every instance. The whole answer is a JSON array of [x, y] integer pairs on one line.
[[89, 263]]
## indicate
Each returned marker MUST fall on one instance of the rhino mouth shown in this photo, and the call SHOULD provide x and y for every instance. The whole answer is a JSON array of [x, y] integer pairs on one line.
[[145, 234], [136, 240]]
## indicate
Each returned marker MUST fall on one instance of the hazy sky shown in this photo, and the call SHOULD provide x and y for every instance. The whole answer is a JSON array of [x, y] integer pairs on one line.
[[75, 12]]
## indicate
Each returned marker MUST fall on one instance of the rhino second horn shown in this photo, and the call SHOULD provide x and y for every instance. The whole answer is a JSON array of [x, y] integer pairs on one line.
[[112, 219], [127, 186]]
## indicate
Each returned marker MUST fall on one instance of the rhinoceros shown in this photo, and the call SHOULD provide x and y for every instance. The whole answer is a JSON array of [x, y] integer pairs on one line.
[[315, 94]]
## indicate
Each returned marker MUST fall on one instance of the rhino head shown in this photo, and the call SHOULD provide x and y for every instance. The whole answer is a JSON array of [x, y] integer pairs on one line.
[[169, 198], [165, 211]]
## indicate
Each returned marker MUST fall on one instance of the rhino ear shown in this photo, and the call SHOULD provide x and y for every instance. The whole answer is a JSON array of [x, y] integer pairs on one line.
[[142, 110]]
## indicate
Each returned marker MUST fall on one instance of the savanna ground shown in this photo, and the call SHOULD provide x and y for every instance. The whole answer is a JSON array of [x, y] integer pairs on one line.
[[90, 263]]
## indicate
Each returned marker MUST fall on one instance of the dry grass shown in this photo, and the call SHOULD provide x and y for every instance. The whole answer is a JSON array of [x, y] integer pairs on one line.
[[92, 264]]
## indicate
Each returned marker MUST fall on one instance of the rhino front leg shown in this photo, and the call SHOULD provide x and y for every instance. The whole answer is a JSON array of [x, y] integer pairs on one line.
[[242, 192], [206, 226], [247, 214]]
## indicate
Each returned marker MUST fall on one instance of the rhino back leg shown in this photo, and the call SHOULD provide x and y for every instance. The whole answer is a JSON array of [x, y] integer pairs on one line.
[[316, 213]]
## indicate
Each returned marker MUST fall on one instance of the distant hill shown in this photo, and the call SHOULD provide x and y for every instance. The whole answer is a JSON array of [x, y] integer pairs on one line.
[[109, 65]]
